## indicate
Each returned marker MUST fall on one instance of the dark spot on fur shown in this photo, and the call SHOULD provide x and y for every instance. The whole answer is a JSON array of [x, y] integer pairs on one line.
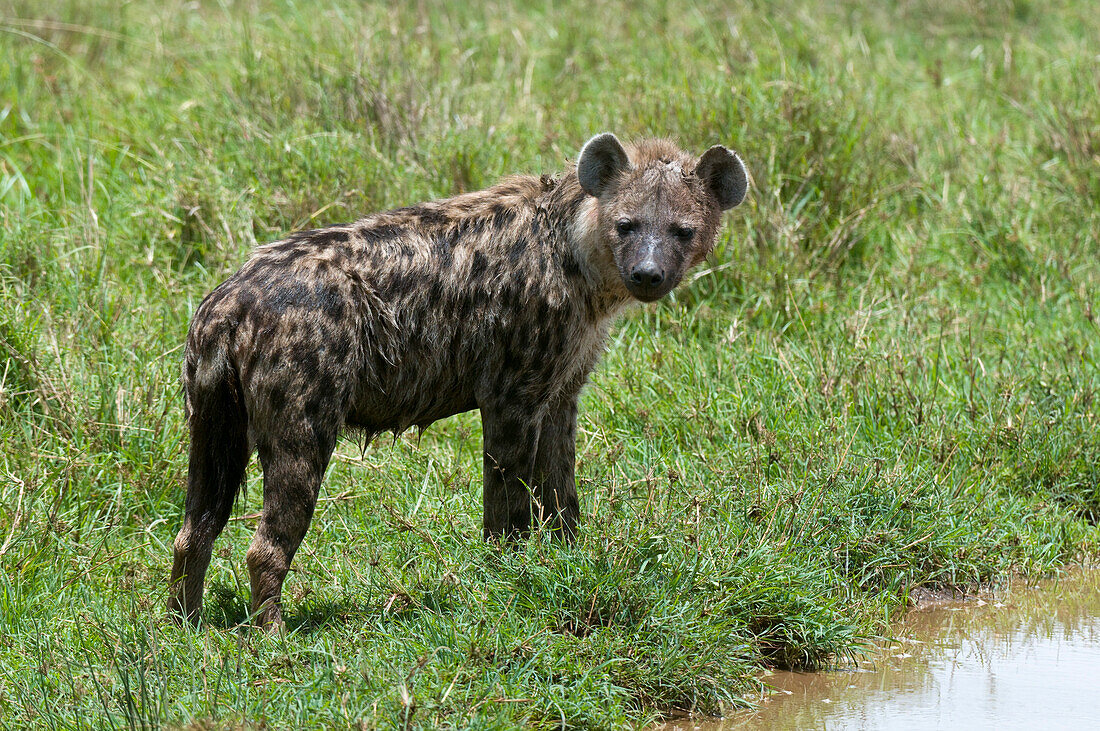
[[309, 360], [502, 215], [517, 249], [435, 294], [315, 400], [570, 266], [506, 296], [441, 245], [277, 400], [478, 266], [513, 358], [287, 296], [244, 303], [328, 238], [481, 298], [399, 284], [339, 346], [379, 233], [328, 300], [465, 306], [471, 227], [425, 215]]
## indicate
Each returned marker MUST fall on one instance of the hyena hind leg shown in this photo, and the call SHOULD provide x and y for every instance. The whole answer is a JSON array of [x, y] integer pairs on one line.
[[292, 478], [218, 458]]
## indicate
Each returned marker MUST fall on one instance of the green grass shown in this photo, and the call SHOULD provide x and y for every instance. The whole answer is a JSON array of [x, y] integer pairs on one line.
[[886, 376]]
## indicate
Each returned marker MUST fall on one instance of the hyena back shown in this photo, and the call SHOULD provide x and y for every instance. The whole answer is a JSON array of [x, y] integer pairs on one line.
[[498, 300]]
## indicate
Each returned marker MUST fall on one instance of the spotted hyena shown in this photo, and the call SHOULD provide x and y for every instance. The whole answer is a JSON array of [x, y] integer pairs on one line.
[[498, 300]]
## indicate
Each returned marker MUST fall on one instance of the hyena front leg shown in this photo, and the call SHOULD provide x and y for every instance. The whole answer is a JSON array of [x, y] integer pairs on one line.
[[510, 437], [555, 488], [293, 470]]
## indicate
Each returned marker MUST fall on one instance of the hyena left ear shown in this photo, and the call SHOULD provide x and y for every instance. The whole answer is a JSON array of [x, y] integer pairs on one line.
[[722, 171], [601, 160]]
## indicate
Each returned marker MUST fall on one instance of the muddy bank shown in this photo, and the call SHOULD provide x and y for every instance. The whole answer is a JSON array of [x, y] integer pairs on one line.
[[1018, 657]]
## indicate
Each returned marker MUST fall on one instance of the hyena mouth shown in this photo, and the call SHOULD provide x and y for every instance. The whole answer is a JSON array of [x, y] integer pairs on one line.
[[647, 294]]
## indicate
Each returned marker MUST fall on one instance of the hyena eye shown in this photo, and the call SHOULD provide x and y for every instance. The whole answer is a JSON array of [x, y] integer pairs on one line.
[[684, 233], [624, 226]]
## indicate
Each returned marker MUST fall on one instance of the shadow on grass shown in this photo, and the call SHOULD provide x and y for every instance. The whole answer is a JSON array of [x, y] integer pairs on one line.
[[322, 615], [225, 609]]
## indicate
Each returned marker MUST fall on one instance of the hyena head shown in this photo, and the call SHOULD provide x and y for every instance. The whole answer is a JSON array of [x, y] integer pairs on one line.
[[658, 208]]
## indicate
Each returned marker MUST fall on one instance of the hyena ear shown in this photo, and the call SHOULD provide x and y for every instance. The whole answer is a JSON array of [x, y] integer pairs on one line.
[[601, 160], [722, 171]]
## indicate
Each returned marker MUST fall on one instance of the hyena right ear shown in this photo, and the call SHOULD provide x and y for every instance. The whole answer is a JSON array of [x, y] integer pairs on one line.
[[601, 160]]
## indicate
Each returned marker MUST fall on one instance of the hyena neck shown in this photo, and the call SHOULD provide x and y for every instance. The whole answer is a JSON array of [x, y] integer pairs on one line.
[[599, 282]]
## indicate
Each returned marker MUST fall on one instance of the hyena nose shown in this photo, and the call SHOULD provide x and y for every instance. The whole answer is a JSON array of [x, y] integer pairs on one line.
[[647, 274]]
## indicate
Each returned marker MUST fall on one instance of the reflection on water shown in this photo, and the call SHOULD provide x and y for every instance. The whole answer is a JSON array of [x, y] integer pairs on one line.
[[1022, 658]]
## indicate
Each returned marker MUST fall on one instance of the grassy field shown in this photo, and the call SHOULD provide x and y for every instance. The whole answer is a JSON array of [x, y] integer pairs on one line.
[[885, 377]]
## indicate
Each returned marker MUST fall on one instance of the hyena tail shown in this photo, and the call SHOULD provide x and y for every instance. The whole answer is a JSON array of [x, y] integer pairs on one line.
[[219, 455]]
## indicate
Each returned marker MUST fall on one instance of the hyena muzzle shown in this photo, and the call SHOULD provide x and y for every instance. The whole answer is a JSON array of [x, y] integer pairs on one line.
[[498, 300]]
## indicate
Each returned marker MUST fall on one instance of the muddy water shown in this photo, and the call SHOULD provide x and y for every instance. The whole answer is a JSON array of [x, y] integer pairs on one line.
[[1021, 658]]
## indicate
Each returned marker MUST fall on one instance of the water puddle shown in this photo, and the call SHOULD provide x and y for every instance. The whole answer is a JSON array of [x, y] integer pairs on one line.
[[1019, 658]]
